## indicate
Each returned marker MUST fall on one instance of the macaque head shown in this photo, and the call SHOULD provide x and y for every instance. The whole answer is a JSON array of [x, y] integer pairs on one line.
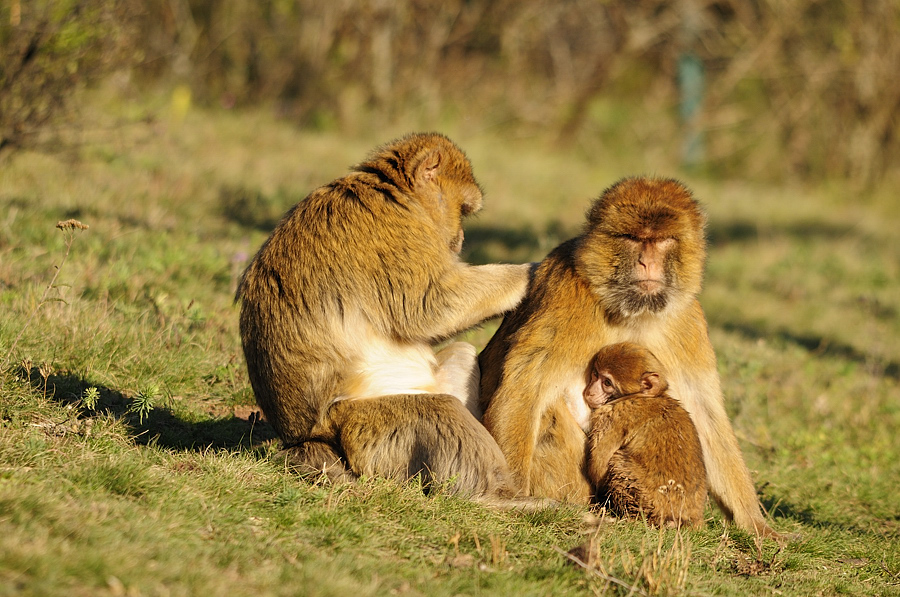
[[644, 247], [434, 170], [623, 369]]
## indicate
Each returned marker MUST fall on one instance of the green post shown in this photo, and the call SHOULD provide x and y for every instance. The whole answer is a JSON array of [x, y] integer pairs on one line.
[[691, 87]]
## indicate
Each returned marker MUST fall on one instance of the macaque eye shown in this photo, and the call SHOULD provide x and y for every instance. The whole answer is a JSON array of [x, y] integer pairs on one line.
[[668, 243], [607, 383]]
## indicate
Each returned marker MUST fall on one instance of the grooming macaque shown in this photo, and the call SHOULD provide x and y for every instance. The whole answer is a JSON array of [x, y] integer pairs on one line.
[[340, 308], [632, 276], [644, 457]]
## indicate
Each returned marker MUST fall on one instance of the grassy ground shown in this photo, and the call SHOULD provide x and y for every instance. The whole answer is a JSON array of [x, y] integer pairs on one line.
[[130, 463]]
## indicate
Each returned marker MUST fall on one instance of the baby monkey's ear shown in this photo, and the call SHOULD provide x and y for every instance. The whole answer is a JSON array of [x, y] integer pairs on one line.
[[651, 384]]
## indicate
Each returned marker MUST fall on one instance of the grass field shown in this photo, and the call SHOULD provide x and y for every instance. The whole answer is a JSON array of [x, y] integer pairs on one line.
[[130, 464]]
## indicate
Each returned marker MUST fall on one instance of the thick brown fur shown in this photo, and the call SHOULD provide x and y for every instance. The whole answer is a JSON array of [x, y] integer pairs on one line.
[[633, 275], [340, 308], [644, 456]]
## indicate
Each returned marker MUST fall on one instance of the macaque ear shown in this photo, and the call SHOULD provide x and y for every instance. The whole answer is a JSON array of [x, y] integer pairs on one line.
[[650, 384], [427, 170]]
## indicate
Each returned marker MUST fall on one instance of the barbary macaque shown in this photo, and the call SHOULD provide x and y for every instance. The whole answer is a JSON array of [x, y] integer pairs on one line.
[[632, 276], [644, 457], [340, 309]]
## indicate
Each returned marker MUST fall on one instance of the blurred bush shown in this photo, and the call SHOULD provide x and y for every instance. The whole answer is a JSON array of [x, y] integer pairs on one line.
[[783, 87], [47, 49], [805, 87]]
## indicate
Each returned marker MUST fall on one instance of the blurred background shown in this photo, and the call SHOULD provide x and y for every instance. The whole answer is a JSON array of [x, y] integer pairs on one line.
[[761, 89]]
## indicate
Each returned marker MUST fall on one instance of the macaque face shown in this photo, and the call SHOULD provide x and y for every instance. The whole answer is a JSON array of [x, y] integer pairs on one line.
[[601, 389], [650, 273], [461, 201], [646, 279], [469, 203], [620, 370], [646, 246], [446, 187]]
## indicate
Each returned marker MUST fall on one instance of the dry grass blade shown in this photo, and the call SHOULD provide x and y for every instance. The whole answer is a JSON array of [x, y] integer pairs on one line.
[[633, 589]]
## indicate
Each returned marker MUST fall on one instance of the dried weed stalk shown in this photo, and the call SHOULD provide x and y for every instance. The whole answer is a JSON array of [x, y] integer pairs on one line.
[[68, 228], [654, 570]]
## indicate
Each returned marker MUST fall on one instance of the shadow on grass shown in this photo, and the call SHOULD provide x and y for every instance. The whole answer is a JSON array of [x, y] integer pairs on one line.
[[816, 344], [779, 509], [491, 243], [163, 425], [253, 209], [744, 231]]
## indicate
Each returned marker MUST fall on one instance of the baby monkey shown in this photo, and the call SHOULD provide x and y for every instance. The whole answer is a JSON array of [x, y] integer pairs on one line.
[[644, 455]]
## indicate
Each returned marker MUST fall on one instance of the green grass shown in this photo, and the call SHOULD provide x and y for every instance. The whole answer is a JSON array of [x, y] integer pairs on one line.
[[189, 497]]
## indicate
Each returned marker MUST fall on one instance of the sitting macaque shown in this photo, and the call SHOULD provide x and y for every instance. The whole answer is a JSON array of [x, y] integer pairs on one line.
[[341, 307], [633, 275], [644, 459]]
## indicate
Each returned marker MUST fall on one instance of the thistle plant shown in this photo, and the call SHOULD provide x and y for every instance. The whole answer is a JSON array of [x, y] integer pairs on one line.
[[143, 401], [90, 397]]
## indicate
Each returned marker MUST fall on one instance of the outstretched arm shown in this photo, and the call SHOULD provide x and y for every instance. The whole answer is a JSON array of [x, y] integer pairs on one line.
[[464, 296]]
